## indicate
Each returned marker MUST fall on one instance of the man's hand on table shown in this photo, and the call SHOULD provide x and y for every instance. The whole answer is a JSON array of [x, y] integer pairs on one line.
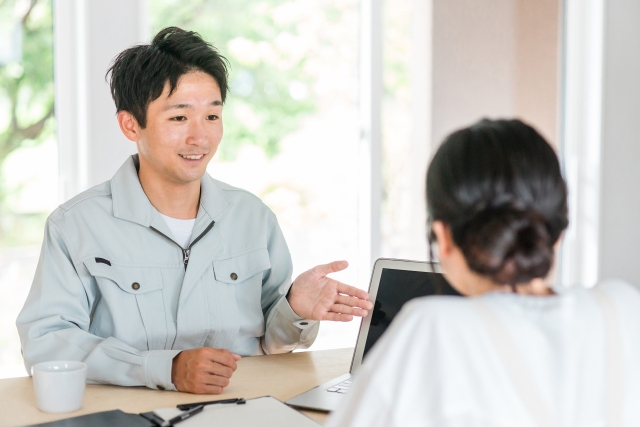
[[315, 296], [203, 370]]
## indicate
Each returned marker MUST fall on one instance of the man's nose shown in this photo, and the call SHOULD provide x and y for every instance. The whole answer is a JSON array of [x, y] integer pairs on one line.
[[197, 133]]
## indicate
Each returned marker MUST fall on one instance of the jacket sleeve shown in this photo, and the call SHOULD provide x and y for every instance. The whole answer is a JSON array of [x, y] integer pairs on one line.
[[54, 324], [285, 330]]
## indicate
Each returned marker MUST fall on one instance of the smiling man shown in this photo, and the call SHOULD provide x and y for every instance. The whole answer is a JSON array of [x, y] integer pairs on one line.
[[164, 277]]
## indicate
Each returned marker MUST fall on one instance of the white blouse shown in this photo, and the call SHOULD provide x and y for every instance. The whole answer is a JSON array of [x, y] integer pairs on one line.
[[438, 364]]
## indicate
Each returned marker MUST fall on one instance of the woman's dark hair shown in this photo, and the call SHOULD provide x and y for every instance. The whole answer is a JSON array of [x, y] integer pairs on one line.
[[139, 74], [498, 186]]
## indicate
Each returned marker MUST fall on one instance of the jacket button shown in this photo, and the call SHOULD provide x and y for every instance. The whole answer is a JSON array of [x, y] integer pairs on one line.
[[135, 286], [234, 276]]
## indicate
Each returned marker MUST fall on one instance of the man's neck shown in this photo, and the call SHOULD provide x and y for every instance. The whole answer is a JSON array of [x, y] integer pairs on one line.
[[174, 200]]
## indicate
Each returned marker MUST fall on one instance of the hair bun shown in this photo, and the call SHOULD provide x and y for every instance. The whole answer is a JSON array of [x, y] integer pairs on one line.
[[508, 245]]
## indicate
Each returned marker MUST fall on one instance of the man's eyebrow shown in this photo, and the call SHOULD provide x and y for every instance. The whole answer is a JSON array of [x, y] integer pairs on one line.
[[217, 102], [177, 107]]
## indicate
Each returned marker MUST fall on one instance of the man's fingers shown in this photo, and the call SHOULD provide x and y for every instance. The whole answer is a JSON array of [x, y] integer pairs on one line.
[[223, 357], [215, 380], [220, 370], [352, 301], [203, 370], [355, 292], [345, 309], [337, 317], [332, 267], [213, 377]]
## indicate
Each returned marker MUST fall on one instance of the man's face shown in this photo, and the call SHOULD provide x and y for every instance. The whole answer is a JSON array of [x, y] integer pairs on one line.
[[183, 130]]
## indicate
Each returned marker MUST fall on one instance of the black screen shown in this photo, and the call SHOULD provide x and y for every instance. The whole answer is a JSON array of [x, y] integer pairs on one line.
[[396, 288]]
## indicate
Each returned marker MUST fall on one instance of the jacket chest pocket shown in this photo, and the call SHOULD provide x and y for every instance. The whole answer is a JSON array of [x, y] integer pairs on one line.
[[235, 300], [132, 305], [242, 267]]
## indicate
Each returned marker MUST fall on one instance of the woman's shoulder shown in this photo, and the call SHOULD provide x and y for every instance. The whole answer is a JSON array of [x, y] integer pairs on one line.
[[621, 293], [619, 288], [624, 296], [454, 311], [439, 309]]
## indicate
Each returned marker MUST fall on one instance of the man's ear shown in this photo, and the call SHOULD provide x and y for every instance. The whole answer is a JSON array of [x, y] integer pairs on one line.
[[444, 238], [129, 126]]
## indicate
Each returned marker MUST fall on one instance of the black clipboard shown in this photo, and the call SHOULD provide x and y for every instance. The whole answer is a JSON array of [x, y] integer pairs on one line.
[[101, 419]]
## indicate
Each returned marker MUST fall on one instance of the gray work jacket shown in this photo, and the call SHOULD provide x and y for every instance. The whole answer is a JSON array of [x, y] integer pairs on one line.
[[112, 289]]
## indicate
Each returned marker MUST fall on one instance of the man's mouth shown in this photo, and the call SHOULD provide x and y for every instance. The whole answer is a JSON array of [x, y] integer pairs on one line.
[[192, 157]]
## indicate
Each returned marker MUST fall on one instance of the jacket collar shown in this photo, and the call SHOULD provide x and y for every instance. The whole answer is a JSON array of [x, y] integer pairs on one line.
[[131, 203]]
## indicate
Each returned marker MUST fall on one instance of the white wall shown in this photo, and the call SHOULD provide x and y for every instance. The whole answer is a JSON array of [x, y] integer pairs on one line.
[[87, 36], [494, 58], [601, 142], [581, 137], [620, 147], [473, 62]]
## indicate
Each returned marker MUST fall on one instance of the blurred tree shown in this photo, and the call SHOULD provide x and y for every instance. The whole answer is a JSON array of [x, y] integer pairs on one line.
[[270, 87], [26, 84]]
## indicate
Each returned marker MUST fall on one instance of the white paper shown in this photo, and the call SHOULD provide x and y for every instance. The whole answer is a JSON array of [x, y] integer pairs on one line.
[[263, 411]]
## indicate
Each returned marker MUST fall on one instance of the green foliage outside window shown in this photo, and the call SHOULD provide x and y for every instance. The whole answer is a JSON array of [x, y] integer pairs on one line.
[[26, 100]]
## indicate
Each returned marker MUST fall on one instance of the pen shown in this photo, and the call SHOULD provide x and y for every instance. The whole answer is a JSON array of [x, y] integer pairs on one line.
[[185, 415], [187, 406]]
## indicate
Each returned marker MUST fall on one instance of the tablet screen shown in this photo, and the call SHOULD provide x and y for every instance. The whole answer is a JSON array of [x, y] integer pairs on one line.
[[397, 287]]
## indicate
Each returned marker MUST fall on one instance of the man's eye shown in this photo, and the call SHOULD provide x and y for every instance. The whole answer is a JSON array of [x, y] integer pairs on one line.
[[178, 118], [212, 117]]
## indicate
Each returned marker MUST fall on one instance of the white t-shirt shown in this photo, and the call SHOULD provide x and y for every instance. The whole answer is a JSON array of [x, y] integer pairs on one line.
[[182, 229], [437, 365]]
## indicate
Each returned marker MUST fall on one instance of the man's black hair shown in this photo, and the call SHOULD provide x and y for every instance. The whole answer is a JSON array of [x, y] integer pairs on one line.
[[139, 74]]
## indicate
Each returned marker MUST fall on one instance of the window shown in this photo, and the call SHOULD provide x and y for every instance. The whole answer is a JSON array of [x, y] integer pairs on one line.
[[28, 184], [405, 129]]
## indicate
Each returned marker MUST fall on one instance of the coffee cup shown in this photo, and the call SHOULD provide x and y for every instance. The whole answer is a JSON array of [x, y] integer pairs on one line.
[[59, 385]]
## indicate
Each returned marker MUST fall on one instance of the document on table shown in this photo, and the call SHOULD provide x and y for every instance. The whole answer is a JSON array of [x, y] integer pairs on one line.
[[264, 411]]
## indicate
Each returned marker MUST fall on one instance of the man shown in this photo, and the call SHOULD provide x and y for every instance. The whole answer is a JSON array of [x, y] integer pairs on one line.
[[163, 276]]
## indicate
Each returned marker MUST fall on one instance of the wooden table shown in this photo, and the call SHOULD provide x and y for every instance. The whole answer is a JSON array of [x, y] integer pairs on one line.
[[281, 376]]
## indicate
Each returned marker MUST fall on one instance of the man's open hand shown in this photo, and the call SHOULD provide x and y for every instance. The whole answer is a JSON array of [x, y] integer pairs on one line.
[[315, 296], [203, 370]]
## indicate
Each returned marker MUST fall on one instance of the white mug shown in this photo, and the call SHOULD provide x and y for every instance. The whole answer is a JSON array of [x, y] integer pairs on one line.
[[59, 385]]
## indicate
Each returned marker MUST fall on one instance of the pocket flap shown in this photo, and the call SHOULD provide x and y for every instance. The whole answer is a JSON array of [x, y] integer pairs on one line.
[[241, 267], [131, 279]]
